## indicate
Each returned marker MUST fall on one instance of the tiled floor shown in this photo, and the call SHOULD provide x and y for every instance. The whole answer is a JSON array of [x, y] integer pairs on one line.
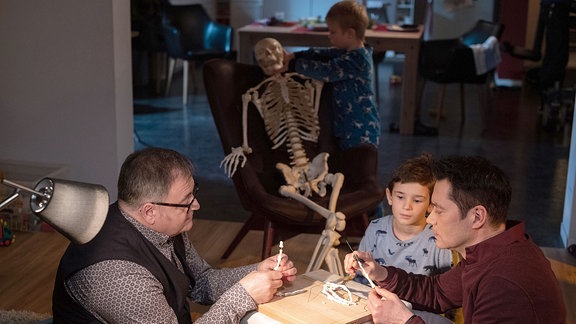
[[510, 134]]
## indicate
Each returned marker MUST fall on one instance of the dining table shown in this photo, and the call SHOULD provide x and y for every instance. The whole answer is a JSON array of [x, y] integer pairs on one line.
[[381, 38]]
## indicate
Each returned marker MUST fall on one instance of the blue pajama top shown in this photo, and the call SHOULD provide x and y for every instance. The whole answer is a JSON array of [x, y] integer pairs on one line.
[[356, 117]]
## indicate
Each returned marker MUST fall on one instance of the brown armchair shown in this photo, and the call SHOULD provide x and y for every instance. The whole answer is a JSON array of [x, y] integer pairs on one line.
[[258, 182]]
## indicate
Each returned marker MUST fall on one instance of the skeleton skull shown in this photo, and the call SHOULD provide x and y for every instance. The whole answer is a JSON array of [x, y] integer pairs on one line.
[[269, 55]]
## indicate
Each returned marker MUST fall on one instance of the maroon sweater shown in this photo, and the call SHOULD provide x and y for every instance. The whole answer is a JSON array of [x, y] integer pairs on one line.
[[505, 279]]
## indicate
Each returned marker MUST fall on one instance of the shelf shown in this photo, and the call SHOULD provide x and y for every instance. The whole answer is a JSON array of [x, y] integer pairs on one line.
[[404, 12]]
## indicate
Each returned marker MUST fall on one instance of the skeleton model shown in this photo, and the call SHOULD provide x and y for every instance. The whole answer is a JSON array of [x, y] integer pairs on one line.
[[331, 290], [288, 104]]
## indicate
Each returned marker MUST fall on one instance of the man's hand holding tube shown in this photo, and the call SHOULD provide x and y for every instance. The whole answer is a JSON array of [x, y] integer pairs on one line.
[[386, 307], [286, 266]]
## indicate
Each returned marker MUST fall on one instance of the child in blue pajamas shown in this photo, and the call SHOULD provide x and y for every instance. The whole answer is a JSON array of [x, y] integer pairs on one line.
[[350, 69]]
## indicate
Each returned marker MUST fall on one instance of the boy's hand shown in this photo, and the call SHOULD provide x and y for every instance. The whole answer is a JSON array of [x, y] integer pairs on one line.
[[286, 61], [288, 57], [374, 270]]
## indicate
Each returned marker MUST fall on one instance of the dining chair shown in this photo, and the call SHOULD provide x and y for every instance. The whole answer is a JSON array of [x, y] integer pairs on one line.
[[448, 61], [192, 36]]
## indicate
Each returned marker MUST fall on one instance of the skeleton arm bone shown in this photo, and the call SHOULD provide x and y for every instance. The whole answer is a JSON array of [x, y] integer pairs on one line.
[[246, 98], [238, 154], [318, 85], [250, 96]]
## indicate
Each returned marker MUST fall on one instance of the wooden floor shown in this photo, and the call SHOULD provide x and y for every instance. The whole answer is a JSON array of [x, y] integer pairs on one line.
[[28, 267]]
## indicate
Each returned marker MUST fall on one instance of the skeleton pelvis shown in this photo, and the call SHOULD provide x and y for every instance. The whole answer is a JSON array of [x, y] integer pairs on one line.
[[308, 178]]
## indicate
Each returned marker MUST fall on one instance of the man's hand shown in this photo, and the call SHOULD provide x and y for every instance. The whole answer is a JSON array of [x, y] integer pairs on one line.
[[375, 271], [262, 285], [386, 307], [286, 268]]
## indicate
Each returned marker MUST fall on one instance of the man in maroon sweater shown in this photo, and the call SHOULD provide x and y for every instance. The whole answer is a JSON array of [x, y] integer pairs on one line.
[[503, 276]]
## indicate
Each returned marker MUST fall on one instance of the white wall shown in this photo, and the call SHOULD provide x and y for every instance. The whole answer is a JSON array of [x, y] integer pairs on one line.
[[65, 85]]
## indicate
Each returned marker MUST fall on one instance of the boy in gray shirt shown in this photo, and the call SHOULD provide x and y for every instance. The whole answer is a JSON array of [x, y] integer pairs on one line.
[[403, 239]]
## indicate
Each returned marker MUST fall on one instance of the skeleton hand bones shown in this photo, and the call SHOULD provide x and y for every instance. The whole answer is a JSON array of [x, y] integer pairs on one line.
[[231, 160]]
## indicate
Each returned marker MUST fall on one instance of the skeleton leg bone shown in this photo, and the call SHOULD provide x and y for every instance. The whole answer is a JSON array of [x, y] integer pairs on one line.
[[335, 180], [291, 192], [325, 248], [325, 251], [332, 259]]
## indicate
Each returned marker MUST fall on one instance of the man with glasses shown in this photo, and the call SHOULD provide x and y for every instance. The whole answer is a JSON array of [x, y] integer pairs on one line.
[[141, 267]]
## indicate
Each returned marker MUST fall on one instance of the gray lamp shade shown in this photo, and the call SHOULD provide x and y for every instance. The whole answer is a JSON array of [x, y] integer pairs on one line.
[[76, 210]]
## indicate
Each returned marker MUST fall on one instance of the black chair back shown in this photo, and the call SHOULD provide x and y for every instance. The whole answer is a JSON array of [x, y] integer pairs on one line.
[[191, 34], [481, 31]]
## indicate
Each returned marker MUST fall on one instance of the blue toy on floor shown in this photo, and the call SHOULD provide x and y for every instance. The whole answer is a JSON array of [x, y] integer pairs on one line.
[[6, 236]]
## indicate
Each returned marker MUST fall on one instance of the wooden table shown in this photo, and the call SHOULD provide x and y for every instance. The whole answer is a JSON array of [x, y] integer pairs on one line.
[[312, 306], [403, 42]]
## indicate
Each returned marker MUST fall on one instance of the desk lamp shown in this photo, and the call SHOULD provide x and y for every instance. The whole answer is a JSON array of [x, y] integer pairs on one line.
[[76, 210]]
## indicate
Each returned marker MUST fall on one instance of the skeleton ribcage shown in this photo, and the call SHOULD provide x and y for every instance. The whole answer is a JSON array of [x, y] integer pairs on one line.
[[289, 113]]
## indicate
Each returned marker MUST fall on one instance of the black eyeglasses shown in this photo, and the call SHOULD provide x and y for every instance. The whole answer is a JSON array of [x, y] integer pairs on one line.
[[187, 206]]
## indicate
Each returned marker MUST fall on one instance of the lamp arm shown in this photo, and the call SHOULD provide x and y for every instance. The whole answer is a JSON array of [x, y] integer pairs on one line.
[[17, 192], [15, 185], [9, 199]]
